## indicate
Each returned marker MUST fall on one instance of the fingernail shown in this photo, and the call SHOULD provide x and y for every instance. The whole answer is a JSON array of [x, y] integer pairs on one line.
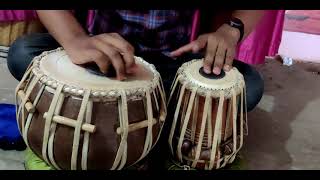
[[121, 78], [216, 70], [206, 70]]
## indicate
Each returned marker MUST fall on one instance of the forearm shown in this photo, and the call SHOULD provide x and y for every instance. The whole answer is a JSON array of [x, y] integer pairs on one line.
[[250, 19], [62, 25]]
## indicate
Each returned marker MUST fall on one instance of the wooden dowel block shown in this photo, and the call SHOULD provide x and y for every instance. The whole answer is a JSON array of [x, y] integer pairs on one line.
[[29, 106], [72, 123], [138, 125]]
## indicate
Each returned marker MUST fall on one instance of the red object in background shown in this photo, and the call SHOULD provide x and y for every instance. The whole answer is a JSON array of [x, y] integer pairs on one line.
[[264, 40], [305, 21], [17, 15]]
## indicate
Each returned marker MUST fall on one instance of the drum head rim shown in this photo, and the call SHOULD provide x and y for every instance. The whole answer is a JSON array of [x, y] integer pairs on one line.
[[203, 89], [98, 93]]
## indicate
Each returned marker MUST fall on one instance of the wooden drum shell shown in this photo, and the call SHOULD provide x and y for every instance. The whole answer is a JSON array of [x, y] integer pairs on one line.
[[231, 134], [104, 138]]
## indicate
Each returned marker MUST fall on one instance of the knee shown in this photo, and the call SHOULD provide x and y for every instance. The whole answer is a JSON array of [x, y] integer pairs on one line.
[[18, 57]]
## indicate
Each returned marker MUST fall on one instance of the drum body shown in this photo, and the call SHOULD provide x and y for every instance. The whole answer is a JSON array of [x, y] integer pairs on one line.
[[73, 119], [210, 117]]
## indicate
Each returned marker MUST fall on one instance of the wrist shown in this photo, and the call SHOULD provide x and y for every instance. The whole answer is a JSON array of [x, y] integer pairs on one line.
[[231, 32], [237, 24], [76, 40], [235, 33]]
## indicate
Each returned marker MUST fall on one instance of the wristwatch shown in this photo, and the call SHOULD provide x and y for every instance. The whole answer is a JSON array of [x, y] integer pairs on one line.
[[237, 23]]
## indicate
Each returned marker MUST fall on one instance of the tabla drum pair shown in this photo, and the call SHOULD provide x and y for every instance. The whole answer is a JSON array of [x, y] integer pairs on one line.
[[73, 119]]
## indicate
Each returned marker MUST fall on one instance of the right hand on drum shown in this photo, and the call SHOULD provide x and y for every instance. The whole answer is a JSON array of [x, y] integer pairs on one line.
[[105, 50]]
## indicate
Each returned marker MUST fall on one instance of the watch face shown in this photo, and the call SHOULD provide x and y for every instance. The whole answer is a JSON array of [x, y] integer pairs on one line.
[[236, 22], [232, 23]]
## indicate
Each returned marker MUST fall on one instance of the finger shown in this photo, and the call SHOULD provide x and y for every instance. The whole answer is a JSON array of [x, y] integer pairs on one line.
[[183, 49], [126, 49], [194, 46], [117, 62], [117, 41], [210, 53], [229, 59], [100, 59], [219, 58], [115, 58]]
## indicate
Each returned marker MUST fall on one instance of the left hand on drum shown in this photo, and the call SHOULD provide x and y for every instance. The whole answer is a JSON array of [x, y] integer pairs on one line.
[[105, 50]]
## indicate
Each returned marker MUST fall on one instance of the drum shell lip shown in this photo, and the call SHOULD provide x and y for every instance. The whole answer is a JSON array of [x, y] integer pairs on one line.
[[106, 99], [110, 93], [203, 89]]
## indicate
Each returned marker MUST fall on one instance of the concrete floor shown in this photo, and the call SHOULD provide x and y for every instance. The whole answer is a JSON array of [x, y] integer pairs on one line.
[[9, 160], [283, 129], [7, 83]]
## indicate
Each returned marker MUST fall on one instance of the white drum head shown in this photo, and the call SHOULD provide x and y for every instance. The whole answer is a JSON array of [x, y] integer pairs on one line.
[[59, 67], [229, 80], [189, 73]]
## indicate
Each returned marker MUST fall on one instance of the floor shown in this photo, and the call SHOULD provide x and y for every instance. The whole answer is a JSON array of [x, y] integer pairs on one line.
[[284, 128], [9, 160], [7, 83]]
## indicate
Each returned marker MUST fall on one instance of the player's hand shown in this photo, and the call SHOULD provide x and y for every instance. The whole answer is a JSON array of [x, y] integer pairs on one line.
[[219, 47], [105, 50]]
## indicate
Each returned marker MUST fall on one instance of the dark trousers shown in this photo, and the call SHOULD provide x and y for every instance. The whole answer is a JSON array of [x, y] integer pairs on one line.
[[24, 49]]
